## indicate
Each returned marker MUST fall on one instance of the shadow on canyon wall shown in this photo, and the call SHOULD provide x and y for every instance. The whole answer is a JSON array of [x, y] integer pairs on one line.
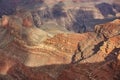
[[58, 70], [83, 71], [82, 17], [57, 10], [108, 69], [116, 7], [105, 9], [77, 20], [7, 7]]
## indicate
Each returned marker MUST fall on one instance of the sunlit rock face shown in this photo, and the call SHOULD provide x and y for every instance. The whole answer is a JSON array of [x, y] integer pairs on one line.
[[38, 41], [77, 56], [109, 29]]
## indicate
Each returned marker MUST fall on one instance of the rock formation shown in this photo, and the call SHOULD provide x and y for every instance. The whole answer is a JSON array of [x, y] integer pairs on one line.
[[64, 13], [39, 41], [68, 56]]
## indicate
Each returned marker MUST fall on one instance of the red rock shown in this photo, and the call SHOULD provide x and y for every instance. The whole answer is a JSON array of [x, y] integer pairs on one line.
[[93, 59], [109, 29], [15, 69]]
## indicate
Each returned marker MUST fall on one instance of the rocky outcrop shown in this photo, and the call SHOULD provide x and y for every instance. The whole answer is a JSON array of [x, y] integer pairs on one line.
[[98, 71], [109, 29], [104, 64], [13, 69], [68, 56], [63, 13]]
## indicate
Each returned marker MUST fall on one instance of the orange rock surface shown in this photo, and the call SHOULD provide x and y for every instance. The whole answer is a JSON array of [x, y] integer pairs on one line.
[[87, 56]]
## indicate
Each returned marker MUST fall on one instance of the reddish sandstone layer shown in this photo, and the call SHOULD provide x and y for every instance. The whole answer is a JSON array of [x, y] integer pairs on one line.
[[94, 54]]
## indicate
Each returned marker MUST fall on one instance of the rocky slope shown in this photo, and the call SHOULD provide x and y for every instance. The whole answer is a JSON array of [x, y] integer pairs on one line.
[[38, 42], [29, 53], [63, 15]]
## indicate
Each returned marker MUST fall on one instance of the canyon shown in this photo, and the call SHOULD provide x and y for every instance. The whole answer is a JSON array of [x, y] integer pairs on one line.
[[59, 40]]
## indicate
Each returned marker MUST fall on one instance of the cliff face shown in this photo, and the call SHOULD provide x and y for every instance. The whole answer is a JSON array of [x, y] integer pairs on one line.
[[38, 42], [67, 56], [66, 15], [78, 18]]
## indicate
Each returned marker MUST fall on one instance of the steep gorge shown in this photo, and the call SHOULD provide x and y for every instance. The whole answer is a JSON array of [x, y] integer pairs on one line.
[[37, 43], [63, 16], [65, 56]]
